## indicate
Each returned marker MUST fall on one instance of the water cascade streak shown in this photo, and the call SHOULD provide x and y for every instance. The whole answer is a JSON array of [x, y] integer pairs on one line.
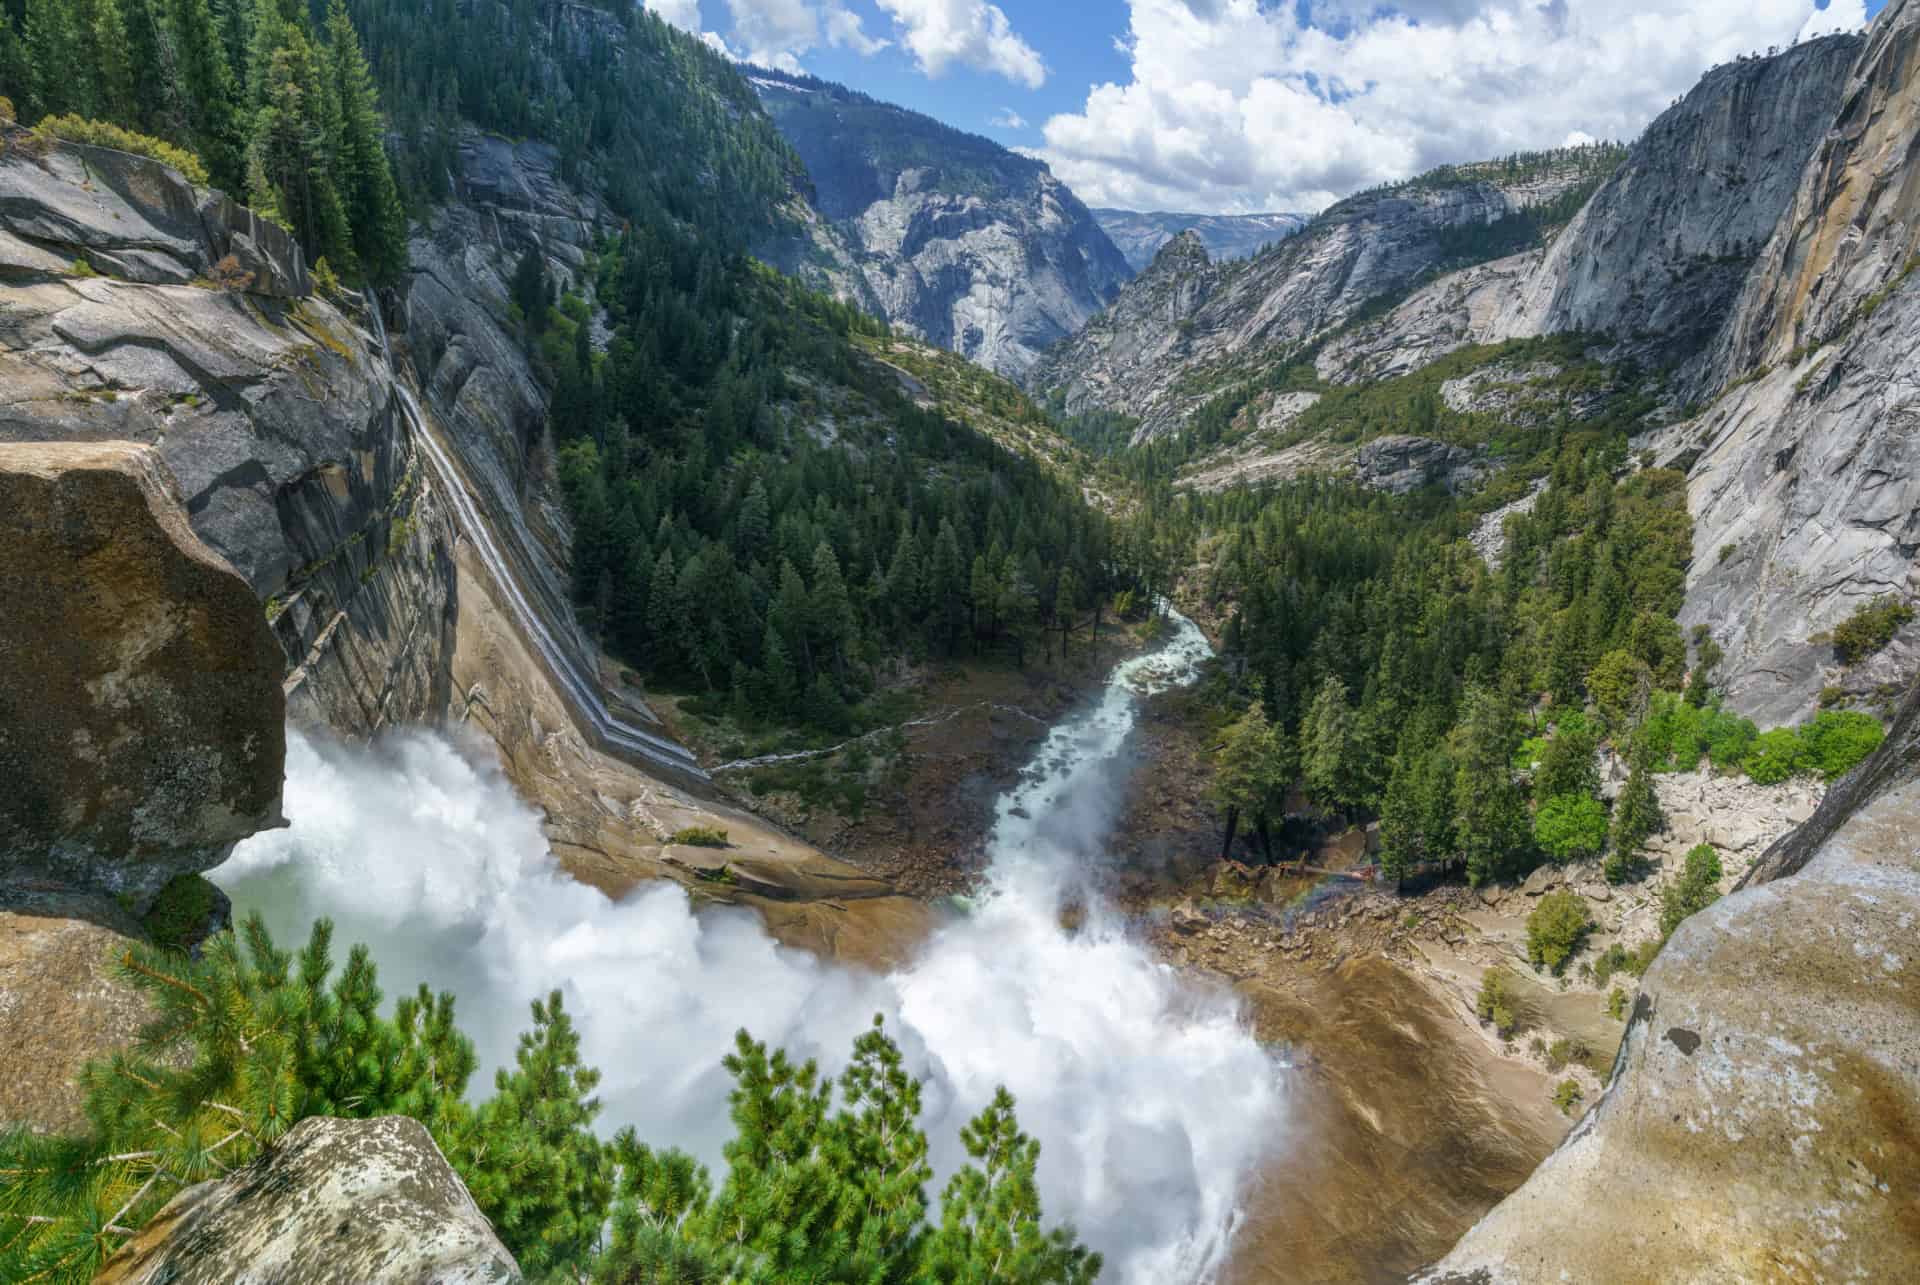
[[1153, 1101], [578, 688]]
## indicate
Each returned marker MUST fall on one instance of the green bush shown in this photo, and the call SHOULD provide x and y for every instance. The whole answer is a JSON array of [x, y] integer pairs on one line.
[[99, 133], [1564, 1052], [1499, 1002], [1775, 756], [1567, 1096], [1695, 889], [1835, 741], [1870, 628], [700, 836], [1617, 1004], [1569, 827], [1556, 928], [182, 915]]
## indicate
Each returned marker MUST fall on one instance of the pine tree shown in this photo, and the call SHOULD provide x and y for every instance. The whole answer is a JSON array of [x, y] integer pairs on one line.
[[990, 1220], [830, 617], [373, 203], [1253, 766], [245, 1042], [1636, 815], [1490, 812], [531, 1159], [1326, 739]]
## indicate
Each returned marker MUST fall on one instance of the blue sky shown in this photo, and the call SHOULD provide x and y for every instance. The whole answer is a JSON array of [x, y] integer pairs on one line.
[[1241, 105]]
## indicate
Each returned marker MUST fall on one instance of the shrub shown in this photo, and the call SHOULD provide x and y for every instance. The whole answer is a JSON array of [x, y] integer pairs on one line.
[[1570, 826], [1697, 888], [1567, 1096], [99, 133], [1774, 756], [7, 116], [325, 279], [1617, 1004], [81, 268], [182, 915], [700, 836], [1563, 1052], [1728, 737], [1556, 928], [1499, 1003], [1870, 628], [1836, 741]]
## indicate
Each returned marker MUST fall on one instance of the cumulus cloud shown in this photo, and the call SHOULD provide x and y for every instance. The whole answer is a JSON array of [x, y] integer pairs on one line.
[[1008, 119], [968, 33], [778, 33], [684, 14], [1239, 105]]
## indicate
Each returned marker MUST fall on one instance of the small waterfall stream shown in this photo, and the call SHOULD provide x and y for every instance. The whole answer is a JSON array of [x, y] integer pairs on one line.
[[1152, 1100]]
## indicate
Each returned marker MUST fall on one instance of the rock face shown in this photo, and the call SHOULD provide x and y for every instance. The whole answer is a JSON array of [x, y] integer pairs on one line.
[[1399, 464], [1804, 476], [278, 416], [1147, 354], [1763, 1118], [1662, 250], [140, 703], [134, 218], [369, 1201], [61, 1003], [1226, 236], [957, 240]]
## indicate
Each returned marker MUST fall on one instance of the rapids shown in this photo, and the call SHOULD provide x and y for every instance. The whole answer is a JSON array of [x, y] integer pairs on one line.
[[1153, 1101]]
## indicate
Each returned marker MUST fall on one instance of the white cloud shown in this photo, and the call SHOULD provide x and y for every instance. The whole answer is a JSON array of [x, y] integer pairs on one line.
[[779, 33], [684, 14], [844, 30], [1236, 105], [1008, 119], [970, 33], [1839, 15]]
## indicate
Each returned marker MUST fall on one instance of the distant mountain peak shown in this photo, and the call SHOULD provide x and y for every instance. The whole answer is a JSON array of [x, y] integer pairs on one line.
[[1140, 236]]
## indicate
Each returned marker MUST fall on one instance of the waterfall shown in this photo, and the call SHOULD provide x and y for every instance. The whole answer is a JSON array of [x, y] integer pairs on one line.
[[1152, 1100]]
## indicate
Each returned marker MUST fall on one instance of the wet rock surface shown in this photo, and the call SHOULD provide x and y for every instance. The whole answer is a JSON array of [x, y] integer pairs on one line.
[[369, 1201], [140, 702]]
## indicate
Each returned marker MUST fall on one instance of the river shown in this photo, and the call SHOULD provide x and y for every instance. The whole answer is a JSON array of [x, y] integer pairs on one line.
[[1154, 1102]]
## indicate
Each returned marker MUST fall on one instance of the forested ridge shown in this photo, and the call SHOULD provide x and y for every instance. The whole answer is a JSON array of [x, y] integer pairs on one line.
[[272, 101]]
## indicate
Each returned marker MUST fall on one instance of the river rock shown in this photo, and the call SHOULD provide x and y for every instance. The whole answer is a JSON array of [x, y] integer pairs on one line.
[[140, 705], [368, 1201], [1763, 1118]]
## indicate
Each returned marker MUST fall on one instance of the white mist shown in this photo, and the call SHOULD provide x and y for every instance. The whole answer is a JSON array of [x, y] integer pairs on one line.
[[1151, 1099]]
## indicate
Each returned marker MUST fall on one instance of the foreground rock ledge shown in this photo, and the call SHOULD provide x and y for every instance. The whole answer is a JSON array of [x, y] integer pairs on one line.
[[1763, 1121], [369, 1201], [140, 706]]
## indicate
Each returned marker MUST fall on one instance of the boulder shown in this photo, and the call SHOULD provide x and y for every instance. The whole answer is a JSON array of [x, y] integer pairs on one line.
[[61, 1002], [1763, 1118], [140, 706], [368, 1201], [132, 217]]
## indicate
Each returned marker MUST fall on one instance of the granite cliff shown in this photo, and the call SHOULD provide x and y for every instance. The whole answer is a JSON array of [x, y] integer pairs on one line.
[[949, 236], [1139, 236], [1176, 333]]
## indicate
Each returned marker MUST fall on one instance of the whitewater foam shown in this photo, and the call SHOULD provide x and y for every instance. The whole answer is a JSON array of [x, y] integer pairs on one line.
[[1152, 1100]]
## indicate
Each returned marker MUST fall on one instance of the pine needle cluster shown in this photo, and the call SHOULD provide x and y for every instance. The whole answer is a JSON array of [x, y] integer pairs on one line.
[[249, 1039]]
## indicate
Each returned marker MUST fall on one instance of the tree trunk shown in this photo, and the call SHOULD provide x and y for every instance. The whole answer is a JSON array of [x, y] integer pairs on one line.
[[1266, 838], [1233, 823]]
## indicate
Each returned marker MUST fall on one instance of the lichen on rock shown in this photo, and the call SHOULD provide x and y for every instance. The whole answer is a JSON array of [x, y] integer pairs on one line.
[[140, 704]]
